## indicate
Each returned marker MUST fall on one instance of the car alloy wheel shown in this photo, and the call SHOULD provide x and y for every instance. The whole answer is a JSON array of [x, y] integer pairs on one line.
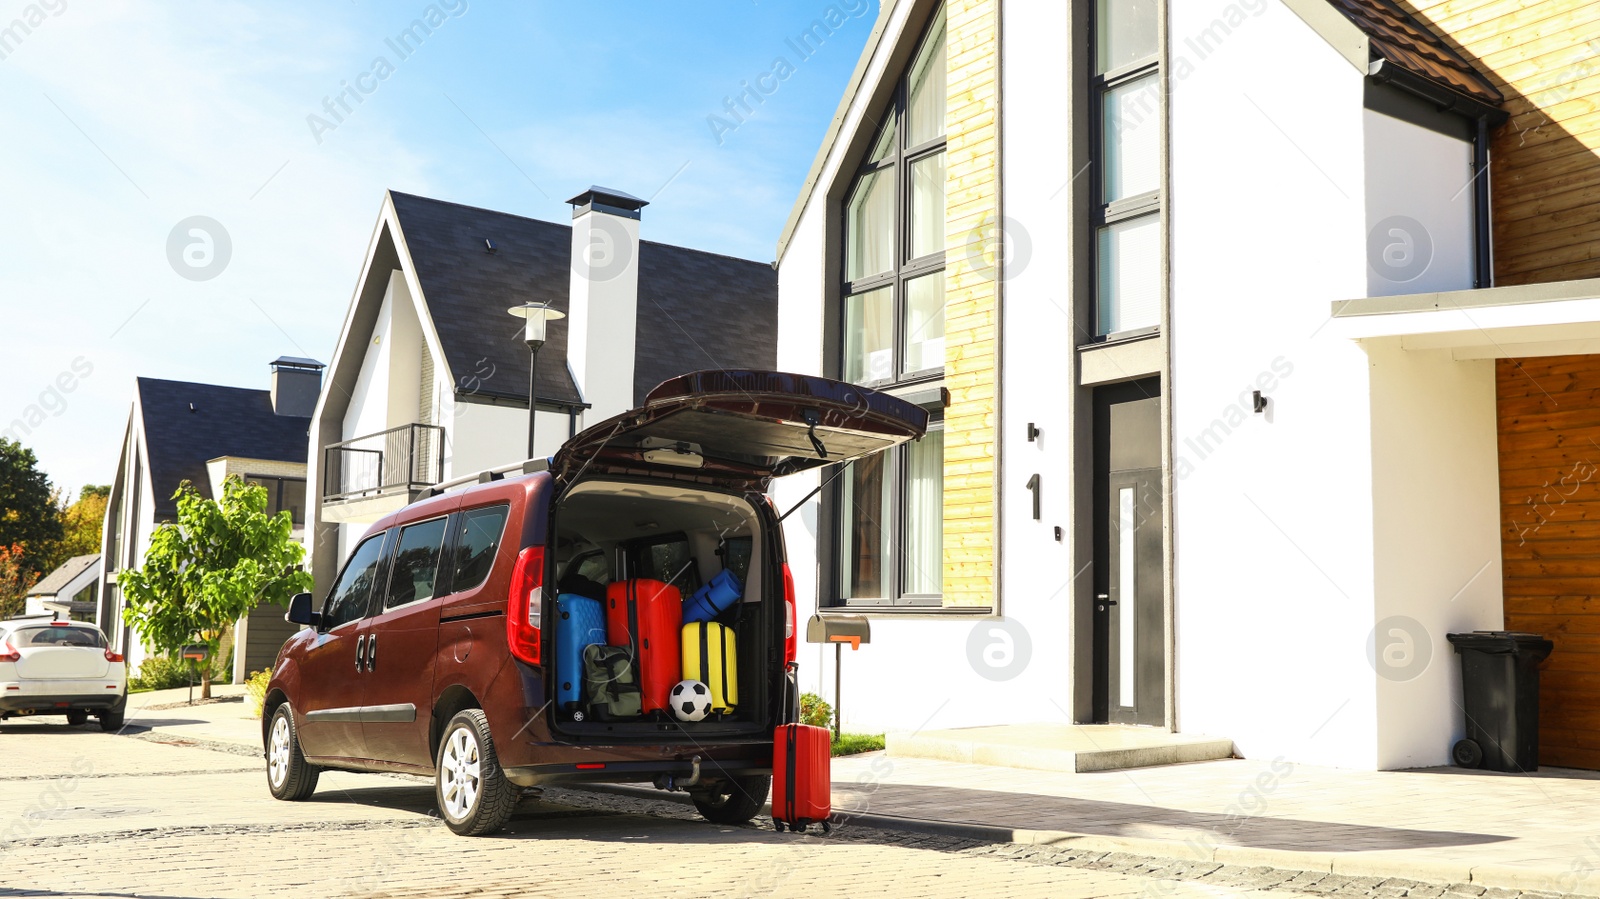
[[472, 790], [461, 773], [278, 752]]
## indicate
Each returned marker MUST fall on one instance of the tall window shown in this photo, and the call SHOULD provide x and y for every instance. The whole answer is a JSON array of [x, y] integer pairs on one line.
[[894, 234], [1127, 88], [891, 506]]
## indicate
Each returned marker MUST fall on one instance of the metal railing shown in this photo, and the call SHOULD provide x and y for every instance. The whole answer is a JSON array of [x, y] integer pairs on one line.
[[403, 458]]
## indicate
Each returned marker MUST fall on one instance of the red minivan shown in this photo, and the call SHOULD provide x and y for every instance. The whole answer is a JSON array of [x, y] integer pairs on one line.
[[431, 655]]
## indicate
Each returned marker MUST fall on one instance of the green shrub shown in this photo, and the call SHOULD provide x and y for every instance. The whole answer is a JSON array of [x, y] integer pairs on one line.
[[815, 711], [255, 689], [850, 744], [163, 673]]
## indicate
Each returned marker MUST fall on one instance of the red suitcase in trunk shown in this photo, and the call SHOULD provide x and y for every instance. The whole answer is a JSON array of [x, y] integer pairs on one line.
[[802, 776], [648, 615]]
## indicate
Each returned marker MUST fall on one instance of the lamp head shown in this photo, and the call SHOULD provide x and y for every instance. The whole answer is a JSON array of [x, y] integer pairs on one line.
[[536, 318]]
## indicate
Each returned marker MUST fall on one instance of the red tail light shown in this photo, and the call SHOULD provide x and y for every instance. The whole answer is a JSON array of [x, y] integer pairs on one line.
[[113, 656], [523, 605], [789, 633], [8, 653]]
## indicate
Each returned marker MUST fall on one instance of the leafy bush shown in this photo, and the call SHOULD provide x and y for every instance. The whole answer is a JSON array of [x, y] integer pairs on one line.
[[255, 689], [163, 673], [850, 744], [815, 711]]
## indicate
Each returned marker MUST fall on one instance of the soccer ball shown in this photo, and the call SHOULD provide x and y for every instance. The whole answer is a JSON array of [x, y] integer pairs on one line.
[[691, 700]]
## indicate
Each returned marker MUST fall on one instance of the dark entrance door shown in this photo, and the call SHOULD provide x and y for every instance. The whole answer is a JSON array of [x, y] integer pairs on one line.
[[1130, 677]]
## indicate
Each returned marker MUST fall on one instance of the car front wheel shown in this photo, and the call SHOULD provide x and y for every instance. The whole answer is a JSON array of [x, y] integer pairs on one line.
[[474, 795], [289, 776], [735, 801]]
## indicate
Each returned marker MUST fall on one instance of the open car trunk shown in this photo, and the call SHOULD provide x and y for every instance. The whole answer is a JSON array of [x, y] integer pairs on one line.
[[607, 530]]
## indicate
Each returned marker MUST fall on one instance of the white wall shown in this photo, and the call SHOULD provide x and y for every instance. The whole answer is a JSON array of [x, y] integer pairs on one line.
[[1436, 507], [1419, 208], [480, 436], [1273, 512]]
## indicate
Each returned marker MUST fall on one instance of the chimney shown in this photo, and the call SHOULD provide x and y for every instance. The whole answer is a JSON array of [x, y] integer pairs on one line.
[[296, 382], [603, 306]]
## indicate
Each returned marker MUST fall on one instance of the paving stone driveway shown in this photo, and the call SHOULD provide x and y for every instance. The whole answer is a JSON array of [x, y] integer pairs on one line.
[[87, 814]]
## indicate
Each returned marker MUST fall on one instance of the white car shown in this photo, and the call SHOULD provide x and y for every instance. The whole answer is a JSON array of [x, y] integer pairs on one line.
[[61, 668]]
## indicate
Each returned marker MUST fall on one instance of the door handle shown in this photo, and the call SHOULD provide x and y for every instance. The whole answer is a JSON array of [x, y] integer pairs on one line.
[[1105, 600], [361, 653], [372, 653]]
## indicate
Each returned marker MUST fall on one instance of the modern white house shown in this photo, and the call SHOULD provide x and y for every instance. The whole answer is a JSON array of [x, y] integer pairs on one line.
[[1260, 358], [429, 380], [180, 431], [68, 592]]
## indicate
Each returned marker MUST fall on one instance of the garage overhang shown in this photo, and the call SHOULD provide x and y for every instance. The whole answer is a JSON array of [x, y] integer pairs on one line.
[[1555, 319]]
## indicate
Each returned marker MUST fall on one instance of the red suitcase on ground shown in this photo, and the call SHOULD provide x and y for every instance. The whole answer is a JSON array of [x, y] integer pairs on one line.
[[802, 776], [648, 615]]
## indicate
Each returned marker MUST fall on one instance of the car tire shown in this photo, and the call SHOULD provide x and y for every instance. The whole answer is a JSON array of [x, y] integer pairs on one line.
[[471, 788], [289, 776], [77, 718], [735, 801], [111, 722]]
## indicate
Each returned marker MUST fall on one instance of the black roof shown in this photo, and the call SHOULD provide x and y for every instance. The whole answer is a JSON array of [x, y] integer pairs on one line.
[[225, 421], [697, 310], [1397, 36]]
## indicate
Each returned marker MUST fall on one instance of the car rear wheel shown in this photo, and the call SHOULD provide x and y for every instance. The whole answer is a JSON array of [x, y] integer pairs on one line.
[[77, 718], [474, 795], [110, 722], [289, 776], [734, 801]]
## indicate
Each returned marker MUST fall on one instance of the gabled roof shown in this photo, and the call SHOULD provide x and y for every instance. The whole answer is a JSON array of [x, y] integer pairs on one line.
[[1395, 37], [697, 310], [56, 581], [186, 424]]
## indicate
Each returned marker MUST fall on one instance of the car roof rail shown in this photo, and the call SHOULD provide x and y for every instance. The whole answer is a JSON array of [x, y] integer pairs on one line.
[[487, 476]]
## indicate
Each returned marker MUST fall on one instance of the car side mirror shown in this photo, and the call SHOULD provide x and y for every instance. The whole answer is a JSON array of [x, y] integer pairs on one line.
[[300, 611]]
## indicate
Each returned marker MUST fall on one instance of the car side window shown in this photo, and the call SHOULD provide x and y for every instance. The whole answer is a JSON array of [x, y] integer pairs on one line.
[[353, 590], [416, 563], [479, 538]]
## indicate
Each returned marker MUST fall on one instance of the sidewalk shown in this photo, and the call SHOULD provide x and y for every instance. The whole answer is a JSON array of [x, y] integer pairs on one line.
[[1527, 832]]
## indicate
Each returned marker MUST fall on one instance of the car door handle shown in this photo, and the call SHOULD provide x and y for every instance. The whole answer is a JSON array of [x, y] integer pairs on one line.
[[361, 653], [372, 653], [1105, 600]]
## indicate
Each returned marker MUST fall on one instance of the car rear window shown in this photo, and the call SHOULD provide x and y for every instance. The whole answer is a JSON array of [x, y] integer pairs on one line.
[[58, 635], [475, 545]]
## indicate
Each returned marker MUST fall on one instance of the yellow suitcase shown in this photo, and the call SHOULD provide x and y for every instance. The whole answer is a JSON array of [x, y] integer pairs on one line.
[[711, 656]]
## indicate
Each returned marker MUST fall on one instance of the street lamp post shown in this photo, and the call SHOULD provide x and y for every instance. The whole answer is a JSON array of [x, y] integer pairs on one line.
[[536, 317]]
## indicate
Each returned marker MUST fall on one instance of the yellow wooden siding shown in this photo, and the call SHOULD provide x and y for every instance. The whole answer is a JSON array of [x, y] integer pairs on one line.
[[1545, 58], [972, 188]]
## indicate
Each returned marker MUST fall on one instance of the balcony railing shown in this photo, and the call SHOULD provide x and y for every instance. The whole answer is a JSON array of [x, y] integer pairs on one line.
[[405, 458]]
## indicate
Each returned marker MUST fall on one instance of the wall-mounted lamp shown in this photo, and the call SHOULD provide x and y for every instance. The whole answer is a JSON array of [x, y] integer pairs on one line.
[[1259, 401], [1033, 432]]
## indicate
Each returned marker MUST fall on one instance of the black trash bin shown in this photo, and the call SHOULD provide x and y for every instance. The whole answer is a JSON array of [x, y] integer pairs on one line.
[[1500, 691]]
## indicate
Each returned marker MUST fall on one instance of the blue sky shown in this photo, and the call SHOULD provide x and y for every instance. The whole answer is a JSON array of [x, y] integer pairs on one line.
[[123, 119]]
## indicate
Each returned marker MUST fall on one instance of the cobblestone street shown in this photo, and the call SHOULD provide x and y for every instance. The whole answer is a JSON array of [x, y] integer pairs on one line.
[[87, 814]]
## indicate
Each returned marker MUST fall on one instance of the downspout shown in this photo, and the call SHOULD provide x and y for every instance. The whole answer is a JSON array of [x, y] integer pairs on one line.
[[1482, 222]]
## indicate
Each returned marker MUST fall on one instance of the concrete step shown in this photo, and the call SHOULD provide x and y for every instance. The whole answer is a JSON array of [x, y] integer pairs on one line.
[[1059, 747]]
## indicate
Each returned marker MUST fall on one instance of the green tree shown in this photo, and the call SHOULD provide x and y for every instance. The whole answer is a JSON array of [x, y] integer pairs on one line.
[[220, 560], [81, 524], [29, 516]]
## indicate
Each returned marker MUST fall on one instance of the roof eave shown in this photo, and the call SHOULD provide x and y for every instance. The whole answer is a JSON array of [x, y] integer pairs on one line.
[[1448, 99]]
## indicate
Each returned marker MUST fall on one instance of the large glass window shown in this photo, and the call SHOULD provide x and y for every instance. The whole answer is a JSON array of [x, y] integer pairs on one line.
[[352, 592], [282, 494], [894, 233], [1127, 87], [889, 508]]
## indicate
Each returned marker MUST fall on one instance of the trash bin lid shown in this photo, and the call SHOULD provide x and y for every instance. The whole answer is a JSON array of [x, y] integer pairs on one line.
[[1502, 642]]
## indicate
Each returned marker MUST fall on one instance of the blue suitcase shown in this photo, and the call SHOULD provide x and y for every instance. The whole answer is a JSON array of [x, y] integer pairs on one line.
[[580, 622]]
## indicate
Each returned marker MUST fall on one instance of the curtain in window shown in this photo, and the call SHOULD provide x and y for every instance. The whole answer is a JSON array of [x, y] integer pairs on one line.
[[926, 90], [927, 205], [924, 565], [869, 226], [924, 337], [866, 529], [869, 336]]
